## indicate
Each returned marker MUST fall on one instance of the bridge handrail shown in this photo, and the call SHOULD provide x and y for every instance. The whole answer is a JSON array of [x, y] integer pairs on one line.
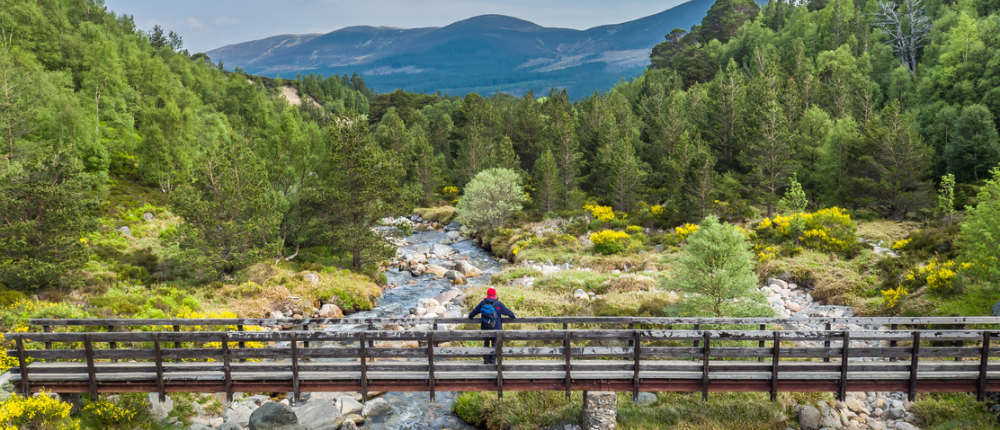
[[649, 321]]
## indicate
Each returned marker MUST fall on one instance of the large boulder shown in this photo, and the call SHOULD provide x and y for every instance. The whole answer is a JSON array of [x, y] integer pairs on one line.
[[996, 309], [809, 418], [467, 269], [436, 270], [331, 310], [442, 250], [274, 416], [239, 413], [456, 277], [376, 407], [449, 295], [160, 409], [349, 406], [319, 415]]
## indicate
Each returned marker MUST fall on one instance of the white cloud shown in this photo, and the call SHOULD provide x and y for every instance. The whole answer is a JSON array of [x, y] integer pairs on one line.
[[225, 20], [193, 23]]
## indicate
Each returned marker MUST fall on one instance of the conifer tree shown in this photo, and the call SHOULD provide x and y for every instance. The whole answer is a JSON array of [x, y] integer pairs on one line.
[[547, 186]]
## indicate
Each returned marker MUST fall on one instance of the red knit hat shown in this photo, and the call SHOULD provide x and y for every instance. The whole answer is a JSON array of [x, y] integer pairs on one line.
[[491, 293]]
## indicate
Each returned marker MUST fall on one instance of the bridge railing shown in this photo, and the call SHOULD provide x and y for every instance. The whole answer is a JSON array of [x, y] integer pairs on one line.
[[431, 360]]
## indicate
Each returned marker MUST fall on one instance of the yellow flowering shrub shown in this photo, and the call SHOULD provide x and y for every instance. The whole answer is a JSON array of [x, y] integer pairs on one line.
[[40, 412], [891, 296], [828, 230], [600, 213], [937, 276], [634, 229], [125, 412], [900, 244], [685, 230], [610, 241], [656, 210], [766, 253]]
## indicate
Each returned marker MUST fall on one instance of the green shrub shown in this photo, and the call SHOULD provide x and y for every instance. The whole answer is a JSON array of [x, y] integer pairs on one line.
[[491, 199]]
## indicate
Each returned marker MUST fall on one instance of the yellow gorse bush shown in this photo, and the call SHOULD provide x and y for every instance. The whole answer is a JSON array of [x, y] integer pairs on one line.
[[110, 414], [900, 244], [36, 412], [609, 236], [601, 213], [937, 276], [656, 210], [891, 296], [826, 230], [685, 230]]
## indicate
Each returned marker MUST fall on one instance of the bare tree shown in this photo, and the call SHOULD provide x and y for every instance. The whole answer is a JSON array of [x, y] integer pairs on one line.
[[908, 25]]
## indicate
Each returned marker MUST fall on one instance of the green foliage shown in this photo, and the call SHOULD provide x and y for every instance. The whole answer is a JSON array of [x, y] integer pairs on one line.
[[490, 199], [795, 199], [941, 411], [126, 411], [717, 272], [979, 239], [521, 410]]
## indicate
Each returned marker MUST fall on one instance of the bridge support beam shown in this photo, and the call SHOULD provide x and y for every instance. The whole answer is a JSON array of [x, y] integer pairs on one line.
[[600, 410]]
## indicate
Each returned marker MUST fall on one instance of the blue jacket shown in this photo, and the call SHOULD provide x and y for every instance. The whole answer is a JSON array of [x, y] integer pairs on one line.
[[501, 309]]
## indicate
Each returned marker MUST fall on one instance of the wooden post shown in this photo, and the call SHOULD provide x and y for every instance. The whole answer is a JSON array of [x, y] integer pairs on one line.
[[774, 365], [430, 363], [914, 361], [704, 370], [631, 326], [843, 366], [305, 327], [566, 354], [892, 343], [984, 361], [47, 329], [177, 345], [364, 367], [696, 328], [91, 369], [22, 363], [158, 357], [826, 343], [242, 344], [297, 395], [371, 326], [959, 343], [499, 360], [112, 344], [227, 369], [635, 364], [762, 343]]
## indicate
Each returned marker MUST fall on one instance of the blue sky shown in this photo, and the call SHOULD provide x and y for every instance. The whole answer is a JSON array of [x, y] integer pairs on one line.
[[209, 24]]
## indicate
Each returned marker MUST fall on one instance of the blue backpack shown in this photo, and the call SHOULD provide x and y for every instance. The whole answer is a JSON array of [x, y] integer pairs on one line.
[[490, 315]]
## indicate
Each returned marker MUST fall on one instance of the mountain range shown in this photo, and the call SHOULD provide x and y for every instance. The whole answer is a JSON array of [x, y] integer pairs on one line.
[[483, 54]]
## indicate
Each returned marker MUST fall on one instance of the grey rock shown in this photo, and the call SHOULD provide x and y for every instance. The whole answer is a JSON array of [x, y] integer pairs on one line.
[[125, 230], [441, 250], [147, 216], [896, 413], [809, 418], [422, 249], [274, 416], [905, 426], [580, 294], [856, 405], [355, 418], [453, 226], [239, 413], [876, 425], [311, 277], [780, 283], [231, 426], [996, 309], [349, 425], [467, 269], [377, 407], [199, 426], [319, 414], [160, 409], [349, 406], [453, 235], [448, 295], [456, 278], [645, 399]]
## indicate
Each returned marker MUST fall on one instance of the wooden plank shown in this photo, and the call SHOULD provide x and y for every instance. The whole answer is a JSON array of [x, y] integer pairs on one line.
[[774, 365], [91, 373], [297, 395], [826, 343], [566, 354], [984, 360], [959, 343], [47, 329], [112, 344], [498, 343], [364, 366], [160, 385], [761, 343], [914, 362], [177, 344], [635, 366], [22, 363], [227, 371], [430, 363], [705, 368], [844, 360]]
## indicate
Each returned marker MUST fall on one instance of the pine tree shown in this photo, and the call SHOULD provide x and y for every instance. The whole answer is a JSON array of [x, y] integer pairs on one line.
[[717, 273], [547, 186]]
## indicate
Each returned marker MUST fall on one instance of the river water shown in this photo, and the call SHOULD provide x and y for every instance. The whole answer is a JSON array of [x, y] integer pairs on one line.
[[415, 411]]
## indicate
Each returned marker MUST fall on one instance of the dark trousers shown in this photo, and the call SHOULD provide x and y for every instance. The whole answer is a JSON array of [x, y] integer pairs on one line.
[[491, 357]]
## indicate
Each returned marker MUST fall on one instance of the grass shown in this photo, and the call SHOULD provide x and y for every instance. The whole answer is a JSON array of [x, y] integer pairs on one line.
[[886, 231], [946, 411], [836, 280], [522, 410], [440, 214]]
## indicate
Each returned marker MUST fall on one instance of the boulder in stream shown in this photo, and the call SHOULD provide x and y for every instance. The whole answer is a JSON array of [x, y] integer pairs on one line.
[[467, 269], [274, 416], [456, 277]]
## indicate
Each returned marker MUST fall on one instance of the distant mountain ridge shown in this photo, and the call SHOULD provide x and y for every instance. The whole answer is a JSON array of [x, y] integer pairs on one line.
[[482, 54]]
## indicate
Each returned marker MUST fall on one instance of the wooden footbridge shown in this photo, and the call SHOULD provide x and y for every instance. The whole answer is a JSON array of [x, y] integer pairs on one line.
[[561, 354]]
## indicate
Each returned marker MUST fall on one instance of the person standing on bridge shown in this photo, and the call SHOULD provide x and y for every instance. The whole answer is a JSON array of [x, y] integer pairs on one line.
[[491, 309]]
